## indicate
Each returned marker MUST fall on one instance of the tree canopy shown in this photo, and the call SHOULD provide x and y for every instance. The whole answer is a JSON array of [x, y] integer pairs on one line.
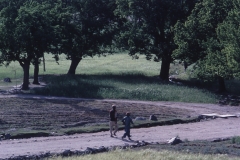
[[148, 28], [200, 32], [76, 28], [198, 42], [229, 35], [26, 32], [90, 31]]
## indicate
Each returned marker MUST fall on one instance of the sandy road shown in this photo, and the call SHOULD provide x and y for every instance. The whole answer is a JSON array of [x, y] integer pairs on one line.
[[205, 130]]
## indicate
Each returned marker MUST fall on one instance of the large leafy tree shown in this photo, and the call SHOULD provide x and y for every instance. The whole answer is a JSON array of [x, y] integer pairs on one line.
[[229, 35], [148, 28], [34, 25], [89, 32], [3, 5], [26, 32], [198, 42], [11, 46]]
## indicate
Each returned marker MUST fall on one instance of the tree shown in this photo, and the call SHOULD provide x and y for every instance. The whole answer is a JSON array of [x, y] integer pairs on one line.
[[198, 42], [9, 45], [89, 32], [34, 26], [228, 33], [148, 28], [26, 32]]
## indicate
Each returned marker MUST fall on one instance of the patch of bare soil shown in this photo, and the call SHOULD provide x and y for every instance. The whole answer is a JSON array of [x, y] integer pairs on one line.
[[53, 113], [39, 112]]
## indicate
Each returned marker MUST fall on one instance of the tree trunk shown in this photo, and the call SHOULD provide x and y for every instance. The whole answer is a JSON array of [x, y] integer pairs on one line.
[[164, 72], [25, 65], [36, 71], [74, 63], [221, 85]]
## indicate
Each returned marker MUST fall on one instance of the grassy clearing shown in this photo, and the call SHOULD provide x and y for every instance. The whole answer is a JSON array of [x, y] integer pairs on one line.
[[147, 154], [134, 87], [115, 77], [114, 64]]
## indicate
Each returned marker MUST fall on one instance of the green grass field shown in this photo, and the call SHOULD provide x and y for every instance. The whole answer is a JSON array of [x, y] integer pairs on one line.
[[115, 76], [111, 64]]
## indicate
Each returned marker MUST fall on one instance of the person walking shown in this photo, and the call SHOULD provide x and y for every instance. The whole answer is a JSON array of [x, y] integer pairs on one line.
[[127, 121], [113, 121]]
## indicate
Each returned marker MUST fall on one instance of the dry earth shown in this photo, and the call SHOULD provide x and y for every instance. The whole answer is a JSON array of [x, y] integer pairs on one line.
[[204, 130], [219, 128]]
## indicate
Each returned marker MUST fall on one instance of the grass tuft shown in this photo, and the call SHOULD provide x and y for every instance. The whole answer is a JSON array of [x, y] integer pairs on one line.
[[236, 140]]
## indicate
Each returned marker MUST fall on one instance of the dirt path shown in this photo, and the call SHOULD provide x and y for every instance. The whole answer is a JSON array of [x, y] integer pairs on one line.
[[204, 130]]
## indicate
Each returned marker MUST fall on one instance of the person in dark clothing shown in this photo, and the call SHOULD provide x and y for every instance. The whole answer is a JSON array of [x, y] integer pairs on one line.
[[127, 121], [113, 121]]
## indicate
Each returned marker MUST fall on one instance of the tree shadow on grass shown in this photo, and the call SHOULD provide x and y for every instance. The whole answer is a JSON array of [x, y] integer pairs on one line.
[[93, 86], [87, 86]]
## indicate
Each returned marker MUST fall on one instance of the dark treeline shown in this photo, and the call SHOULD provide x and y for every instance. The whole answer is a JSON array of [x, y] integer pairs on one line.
[[199, 32]]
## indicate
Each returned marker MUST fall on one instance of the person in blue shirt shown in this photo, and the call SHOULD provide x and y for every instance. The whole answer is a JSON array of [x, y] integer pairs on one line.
[[127, 121]]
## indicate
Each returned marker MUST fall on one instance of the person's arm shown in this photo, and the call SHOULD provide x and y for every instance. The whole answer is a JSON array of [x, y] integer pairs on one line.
[[131, 121], [123, 120]]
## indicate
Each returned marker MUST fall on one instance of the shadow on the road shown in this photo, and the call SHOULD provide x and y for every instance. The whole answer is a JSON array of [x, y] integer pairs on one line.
[[125, 140]]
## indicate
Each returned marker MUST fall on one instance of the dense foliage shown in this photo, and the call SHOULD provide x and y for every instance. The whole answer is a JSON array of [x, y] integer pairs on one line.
[[228, 33], [201, 40], [148, 28], [199, 32], [90, 31], [26, 32]]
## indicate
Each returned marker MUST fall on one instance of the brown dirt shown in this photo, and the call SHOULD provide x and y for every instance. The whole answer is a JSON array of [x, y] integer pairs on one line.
[[63, 111]]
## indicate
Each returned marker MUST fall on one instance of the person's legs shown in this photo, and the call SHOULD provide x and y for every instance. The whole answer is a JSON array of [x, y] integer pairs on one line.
[[111, 128], [115, 128], [125, 134], [128, 133]]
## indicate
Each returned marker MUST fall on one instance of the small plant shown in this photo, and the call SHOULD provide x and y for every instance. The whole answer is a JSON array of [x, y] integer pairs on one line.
[[236, 140], [220, 150]]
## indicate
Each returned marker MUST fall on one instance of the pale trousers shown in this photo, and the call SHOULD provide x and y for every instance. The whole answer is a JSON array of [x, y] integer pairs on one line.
[[113, 124]]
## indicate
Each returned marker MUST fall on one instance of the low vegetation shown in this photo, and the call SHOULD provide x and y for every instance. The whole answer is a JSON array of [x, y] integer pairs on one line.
[[195, 150], [126, 86]]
